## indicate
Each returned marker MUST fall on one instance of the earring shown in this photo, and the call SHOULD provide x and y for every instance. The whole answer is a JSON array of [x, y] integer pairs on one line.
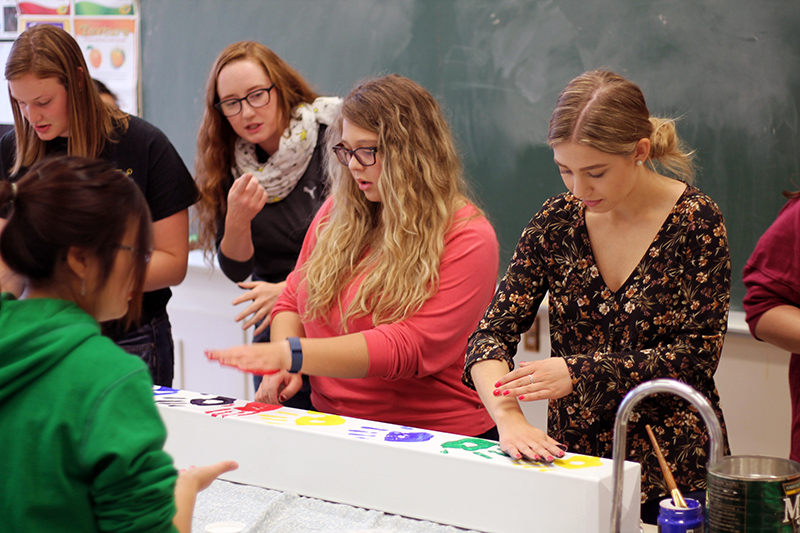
[[639, 162], [83, 287]]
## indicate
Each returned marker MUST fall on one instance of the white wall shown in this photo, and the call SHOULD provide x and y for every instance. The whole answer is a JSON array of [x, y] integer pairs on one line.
[[752, 376]]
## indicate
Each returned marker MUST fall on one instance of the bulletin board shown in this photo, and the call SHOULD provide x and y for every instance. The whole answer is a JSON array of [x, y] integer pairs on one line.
[[107, 32]]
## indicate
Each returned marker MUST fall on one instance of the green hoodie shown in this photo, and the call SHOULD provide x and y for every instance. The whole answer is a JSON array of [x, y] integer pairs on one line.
[[80, 437]]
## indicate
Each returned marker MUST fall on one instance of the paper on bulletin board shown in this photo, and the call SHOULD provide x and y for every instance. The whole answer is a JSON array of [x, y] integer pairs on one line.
[[44, 7], [110, 48], [8, 20], [26, 21], [6, 115], [103, 7], [107, 32]]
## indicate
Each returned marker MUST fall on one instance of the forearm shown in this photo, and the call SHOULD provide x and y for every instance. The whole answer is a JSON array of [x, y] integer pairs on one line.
[[185, 497], [10, 281], [170, 258], [165, 270], [237, 242], [346, 356], [780, 326], [502, 409]]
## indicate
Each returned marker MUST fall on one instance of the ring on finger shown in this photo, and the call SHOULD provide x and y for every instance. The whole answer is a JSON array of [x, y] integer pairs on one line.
[[530, 377]]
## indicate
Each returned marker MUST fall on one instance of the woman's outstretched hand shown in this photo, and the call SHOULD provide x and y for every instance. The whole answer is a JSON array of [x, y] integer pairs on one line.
[[260, 358]]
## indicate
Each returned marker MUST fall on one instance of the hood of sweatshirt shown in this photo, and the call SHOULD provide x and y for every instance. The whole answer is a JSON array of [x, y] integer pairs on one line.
[[35, 336]]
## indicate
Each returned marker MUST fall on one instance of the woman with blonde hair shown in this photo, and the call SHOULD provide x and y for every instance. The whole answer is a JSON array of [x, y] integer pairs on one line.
[[58, 110], [637, 269], [393, 275], [260, 173]]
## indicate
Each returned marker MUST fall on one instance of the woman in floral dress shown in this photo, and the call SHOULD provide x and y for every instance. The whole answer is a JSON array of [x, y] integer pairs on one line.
[[637, 271]]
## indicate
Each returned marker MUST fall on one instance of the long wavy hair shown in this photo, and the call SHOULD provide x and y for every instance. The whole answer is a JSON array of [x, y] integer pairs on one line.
[[605, 111], [396, 244], [216, 138], [47, 51], [69, 201]]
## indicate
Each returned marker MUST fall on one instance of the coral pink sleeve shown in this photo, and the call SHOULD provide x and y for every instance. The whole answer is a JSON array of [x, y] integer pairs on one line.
[[436, 335]]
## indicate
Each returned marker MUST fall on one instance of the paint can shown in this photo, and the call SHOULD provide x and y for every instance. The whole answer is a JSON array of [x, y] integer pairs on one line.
[[753, 493]]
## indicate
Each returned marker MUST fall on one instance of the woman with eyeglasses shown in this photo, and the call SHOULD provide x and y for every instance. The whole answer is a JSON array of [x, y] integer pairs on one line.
[[392, 277], [260, 172], [58, 110], [81, 438]]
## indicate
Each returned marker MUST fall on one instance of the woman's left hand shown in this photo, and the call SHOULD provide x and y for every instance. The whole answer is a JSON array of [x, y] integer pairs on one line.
[[259, 358], [263, 296], [548, 379]]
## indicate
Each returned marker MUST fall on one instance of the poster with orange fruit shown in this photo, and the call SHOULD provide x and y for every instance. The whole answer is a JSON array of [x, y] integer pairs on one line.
[[110, 47], [107, 32]]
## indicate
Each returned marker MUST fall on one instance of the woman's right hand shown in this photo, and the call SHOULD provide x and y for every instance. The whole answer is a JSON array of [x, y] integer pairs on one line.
[[245, 200], [276, 388], [520, 439]]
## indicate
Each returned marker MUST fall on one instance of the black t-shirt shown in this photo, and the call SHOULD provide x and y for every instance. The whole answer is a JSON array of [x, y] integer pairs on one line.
[[279, 228], [145, 154]]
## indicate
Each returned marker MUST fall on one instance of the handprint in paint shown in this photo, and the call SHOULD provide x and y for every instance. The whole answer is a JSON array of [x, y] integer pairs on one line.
[[475, 446], [248, 409], [391, 436]]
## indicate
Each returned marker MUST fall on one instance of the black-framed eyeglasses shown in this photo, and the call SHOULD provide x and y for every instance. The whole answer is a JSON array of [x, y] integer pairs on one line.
[[233, 106], [147, 254], [365, 156]]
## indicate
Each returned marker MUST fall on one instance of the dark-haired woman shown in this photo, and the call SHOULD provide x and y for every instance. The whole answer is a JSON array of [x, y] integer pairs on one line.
[[80, 436], [57, 110]]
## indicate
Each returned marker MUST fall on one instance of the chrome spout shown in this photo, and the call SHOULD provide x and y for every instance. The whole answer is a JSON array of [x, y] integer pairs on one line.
[[621, 430]]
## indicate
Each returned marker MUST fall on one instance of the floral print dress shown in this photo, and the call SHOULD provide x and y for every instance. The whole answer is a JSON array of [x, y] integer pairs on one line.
[[667, 320]]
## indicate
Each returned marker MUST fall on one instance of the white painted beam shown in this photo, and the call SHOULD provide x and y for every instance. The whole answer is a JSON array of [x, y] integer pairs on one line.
[[418, 473]]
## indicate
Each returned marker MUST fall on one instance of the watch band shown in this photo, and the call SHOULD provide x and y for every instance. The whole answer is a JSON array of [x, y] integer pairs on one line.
[[297, 354]]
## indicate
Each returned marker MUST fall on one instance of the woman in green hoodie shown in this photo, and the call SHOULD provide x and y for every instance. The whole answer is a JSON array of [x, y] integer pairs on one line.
[[80, 436]]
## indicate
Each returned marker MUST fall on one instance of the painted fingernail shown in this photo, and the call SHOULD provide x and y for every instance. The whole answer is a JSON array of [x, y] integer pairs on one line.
[[537, 458], [518, 456], [549, 458], [521, 397], [496, 392], [562, 447], [561, 454], [497, 384], [282, 398], [506, 393]]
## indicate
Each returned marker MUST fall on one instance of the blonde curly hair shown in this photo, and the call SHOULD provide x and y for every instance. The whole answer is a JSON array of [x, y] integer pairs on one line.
[[396, 244]]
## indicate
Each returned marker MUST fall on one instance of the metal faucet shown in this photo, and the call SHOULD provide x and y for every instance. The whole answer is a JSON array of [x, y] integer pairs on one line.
[[621, 430]]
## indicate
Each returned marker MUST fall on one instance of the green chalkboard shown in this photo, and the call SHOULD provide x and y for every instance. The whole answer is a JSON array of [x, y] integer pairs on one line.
[[730, 69]]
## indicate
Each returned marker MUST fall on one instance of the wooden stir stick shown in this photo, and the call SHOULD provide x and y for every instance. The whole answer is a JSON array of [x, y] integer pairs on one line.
[[677, 497]]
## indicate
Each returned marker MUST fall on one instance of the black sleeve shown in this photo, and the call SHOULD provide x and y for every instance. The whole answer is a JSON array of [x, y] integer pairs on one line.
[[235, 270], [171, 188], [8, 149], [145, 153], [8, 154]]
